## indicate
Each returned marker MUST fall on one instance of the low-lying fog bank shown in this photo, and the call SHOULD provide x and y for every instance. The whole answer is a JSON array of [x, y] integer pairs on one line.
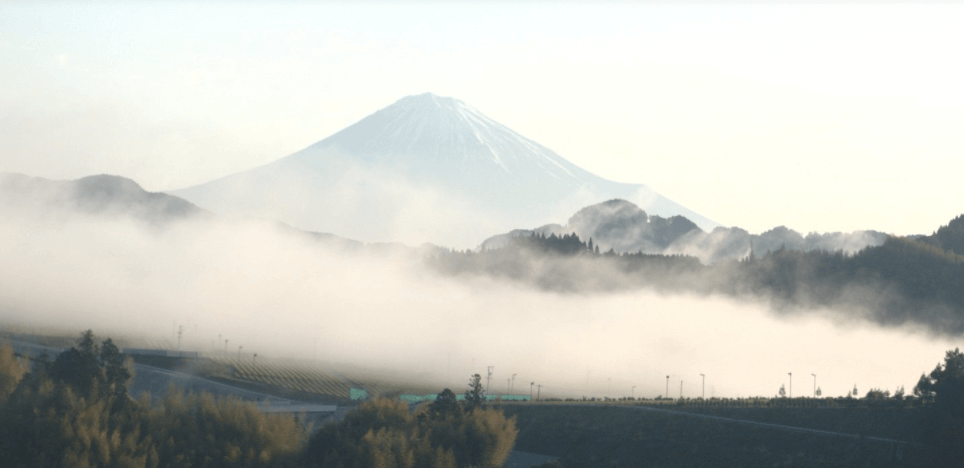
[[279, 293]]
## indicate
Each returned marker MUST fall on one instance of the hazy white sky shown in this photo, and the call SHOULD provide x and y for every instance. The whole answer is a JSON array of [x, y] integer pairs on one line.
[[818, 116]]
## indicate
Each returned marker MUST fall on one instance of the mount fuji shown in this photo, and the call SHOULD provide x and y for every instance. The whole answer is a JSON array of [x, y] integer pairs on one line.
[[424, 169]]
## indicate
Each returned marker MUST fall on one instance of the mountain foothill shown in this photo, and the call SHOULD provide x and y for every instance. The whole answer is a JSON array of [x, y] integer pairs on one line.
[[624, 227], [432, 169], [615, 245]]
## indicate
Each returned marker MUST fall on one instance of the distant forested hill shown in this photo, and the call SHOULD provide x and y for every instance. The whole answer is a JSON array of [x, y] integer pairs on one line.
[[949, 237], [624, 227], [99, 195], [902, 281]]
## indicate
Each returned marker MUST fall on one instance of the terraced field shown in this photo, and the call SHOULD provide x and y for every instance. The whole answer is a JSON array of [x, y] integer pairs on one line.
[[314, 378], [390, 384], [287, 374], [298, 377]]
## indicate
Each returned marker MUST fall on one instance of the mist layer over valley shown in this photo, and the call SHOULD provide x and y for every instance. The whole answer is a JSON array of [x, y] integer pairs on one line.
[[285, 293]]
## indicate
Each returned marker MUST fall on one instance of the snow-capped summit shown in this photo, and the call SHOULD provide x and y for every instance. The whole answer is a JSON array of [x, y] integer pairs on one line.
[[426, 168], [444, 136]]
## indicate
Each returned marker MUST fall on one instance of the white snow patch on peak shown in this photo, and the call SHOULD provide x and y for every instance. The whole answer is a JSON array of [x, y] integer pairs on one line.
[[428, 128]]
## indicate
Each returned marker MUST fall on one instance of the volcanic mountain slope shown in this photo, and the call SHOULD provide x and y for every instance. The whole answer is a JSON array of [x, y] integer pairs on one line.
[[426, 168]]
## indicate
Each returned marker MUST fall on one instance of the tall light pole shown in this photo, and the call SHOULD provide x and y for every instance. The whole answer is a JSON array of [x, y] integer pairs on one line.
[[814, 385], [239, 352], [530, 390], [508, 385], [225, 347], [791, 383], [538, 391], [681, 389], [488, 378], [512, 386], [667, 386], [704, 386], [180, 330], [632, 392]]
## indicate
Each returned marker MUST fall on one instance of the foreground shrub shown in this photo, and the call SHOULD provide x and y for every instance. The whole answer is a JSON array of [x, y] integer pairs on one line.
[[10, 373], [197, 430], [384, 433], [75, 412]]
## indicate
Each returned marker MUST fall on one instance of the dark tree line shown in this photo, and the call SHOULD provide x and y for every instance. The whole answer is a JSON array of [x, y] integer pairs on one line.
[[901, 281], [950, 237], [944, 387]]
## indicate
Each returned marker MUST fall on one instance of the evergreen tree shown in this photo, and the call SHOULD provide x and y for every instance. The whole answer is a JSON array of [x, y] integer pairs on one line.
[[445, 405], [946, 418], [475, 395]]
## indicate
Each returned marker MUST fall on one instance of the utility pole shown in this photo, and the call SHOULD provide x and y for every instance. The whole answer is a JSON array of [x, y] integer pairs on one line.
[[704, 386], [538, 391], [530, 390], [814, 385], [667, 386], [488, 378], [512, 386], [791, 384]]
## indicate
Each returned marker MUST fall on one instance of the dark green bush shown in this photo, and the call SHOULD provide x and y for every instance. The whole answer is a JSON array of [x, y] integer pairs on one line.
[[441, 435], [75, 412]]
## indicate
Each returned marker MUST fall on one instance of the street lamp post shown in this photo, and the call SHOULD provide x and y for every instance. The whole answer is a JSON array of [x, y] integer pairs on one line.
[[667, 386], [512, 386], [632, 392], [704, 386], [814, 385], [239, 352], [488, 378], [530, 390], [791, 384], [225, 347], [681, 390]]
